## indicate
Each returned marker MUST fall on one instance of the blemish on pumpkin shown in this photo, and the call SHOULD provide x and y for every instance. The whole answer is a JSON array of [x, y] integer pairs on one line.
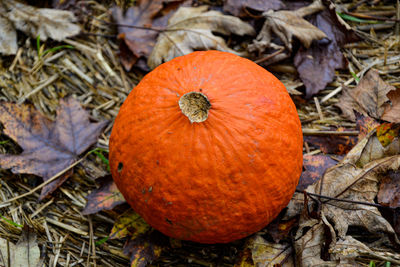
[[120, 167], [168, 221], [150, 189]]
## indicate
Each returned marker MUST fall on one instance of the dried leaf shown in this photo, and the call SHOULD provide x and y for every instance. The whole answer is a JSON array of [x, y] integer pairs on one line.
[[8, 36], [279, 229], [364, 125], [104, 198], [354, 180], [25, 253], [389, 190], [139, 39], [369, 97], [286, 24], [387, 132], [333, 144], [262, 253], [392, 111], [129, 224], [48, 23], [144, 249], [48, 147], [317, 64], [193, 28], [314, 168], [238, 7]]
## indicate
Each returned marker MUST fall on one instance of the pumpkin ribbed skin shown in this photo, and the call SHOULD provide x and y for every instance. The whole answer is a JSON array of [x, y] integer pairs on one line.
[[214, 181]]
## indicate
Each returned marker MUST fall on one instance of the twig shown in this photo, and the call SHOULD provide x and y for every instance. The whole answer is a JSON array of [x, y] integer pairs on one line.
[[327, 133], [346, 200], [55, 177]]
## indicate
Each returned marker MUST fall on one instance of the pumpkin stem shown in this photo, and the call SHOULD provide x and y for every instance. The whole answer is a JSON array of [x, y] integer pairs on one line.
[[195, 106]]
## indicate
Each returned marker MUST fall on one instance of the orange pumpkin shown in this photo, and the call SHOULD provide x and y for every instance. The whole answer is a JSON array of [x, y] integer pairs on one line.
[[207, 147]]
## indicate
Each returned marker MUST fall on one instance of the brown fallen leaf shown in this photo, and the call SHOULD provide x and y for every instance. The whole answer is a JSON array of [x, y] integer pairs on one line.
[[392, 111], [194, 28], [314, 168], [355, 178], [389, 190], [106, 197], [48, 147], [139, 27], [317, 64], [145, 248], [364, 125], [369, 97], [286, 24], [238, 7], [48, 23], [338, 145]]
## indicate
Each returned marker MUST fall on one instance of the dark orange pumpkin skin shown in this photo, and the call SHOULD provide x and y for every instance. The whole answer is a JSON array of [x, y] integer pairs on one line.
[[214, 181]]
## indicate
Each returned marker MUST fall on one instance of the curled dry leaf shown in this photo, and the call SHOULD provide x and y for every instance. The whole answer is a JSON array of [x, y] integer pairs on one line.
[[355, 178], [193, 28], [48, 23], [389, 190], [369, 97], [106, 197], [286, 24], [48, 147]]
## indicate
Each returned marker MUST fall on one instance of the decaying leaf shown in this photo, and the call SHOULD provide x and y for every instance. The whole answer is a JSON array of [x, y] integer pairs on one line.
[[129, 224], [48, 23], [333, 144], [144, 249], [369, 97], [286, 24], [263, 253], [48, 147], [387, 132], [145, 23], [314, 168], [392, 110], [8, 36], [364, 125], [320, 241], [389, 190], [25, 253], [317, 64], [238, 7], [193, 28], [104, 198]]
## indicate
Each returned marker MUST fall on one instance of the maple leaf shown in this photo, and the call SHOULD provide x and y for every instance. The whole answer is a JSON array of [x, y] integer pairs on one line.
[[392, 111], [369, 97], [106, 197], [48, 147], [193, 28]]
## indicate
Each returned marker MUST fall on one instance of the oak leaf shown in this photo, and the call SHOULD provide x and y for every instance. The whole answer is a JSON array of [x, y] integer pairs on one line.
[[48, 146], [193, 28]]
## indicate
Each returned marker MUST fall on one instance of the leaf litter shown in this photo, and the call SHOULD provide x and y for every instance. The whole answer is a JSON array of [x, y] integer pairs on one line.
[[92, 73]]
